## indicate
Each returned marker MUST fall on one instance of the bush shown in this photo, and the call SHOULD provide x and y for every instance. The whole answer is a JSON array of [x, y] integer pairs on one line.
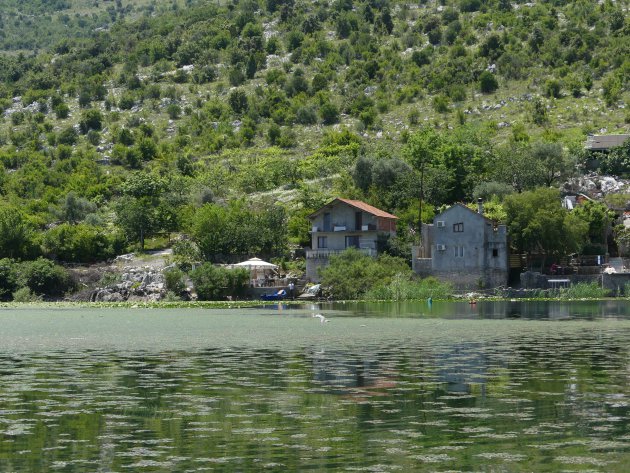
[[403, 287], [81, 243], [329, 113], [43, 277], [24, 294], [583, 290], [174, 280], [487, 82], [217, 283], [553, 88], [352, 274], [90, 120], [8, 278]]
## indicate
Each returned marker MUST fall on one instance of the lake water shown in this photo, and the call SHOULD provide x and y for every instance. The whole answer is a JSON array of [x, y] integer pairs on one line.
[[494, 387]]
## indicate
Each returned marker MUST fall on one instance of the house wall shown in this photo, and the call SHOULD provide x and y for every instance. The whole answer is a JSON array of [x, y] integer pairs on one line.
[[343, 215], [313, 266], [468, 259]]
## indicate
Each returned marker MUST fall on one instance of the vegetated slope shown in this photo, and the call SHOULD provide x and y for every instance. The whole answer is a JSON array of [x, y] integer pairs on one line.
[[31, 25], [223, 101]]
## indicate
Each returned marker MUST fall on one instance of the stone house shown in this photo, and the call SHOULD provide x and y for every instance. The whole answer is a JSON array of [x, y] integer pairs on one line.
[[465, 248], [342, 224]]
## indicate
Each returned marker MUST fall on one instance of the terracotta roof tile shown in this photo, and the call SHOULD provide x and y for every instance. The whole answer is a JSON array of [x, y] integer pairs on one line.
[[367, 208]]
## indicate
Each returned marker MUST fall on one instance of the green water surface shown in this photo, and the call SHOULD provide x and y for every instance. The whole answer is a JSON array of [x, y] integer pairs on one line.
[[496, 387]]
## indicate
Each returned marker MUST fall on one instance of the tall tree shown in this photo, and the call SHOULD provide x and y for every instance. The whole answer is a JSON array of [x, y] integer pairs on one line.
[[538, 224]]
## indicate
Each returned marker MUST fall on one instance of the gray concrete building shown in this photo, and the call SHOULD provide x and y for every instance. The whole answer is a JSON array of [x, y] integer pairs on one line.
[[465, 248], [342, 224]]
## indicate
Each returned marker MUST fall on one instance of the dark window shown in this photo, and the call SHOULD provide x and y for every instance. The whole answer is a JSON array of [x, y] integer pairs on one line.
[[352, 242], [358, 220], [495, 252], [327, 226], [322, 242], [458, 227]]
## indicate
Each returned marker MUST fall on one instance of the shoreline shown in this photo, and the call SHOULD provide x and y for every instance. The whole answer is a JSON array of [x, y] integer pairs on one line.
[[245, 304]]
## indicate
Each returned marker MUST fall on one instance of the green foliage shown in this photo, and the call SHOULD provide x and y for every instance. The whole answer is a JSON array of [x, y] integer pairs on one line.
[[538, 223], [90, 120], [8, 278], [488, 82], [402, 287], [582, 290], [24, 294], [16, 234], [351, 274], [617, 161], [238, 230], [95, 105], [81, 243], [45, 278], [174, 280], [214, 283]]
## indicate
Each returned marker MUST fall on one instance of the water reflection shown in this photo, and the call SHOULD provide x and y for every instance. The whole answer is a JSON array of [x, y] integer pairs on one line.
[[358, 394], [556, 310]]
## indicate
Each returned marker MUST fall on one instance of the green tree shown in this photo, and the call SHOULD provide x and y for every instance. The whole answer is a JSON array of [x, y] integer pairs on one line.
[[599, 219], [16, 234], [538, 224], [215, 283], [43, 277], [238, 230], [421, 152]]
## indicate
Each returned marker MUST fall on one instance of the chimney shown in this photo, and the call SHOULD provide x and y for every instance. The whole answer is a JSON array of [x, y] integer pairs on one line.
[[480, 206]]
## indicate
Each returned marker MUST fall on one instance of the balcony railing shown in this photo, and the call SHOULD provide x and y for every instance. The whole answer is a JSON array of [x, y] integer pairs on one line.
[[325, 253], [344, 228]]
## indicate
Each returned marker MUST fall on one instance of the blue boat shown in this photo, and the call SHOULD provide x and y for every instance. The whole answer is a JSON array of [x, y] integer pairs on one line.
[[278, 296]]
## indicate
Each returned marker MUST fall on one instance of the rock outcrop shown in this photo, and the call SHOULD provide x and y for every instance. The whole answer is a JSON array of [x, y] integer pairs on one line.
[[136, 284]]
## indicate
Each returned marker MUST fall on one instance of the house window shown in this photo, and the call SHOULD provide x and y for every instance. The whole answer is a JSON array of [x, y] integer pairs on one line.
[[327, 225], [458, 251], [352, 242], [322, 242], [495, 253], [458, 227]]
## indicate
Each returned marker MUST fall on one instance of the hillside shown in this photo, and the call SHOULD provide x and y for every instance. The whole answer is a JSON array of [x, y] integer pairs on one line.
[[131, 115]]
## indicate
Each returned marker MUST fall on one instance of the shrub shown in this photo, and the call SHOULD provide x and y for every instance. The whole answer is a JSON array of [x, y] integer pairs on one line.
[[8, 278], [61, 111], [553, 88], [216, 283], [174, 111], [24, 294], [487, 82], [90, 120], [583, 290], [440, 103], [351, 274], [43, 277], [403, 287], [81, 243], [174, 280], [329, 113]]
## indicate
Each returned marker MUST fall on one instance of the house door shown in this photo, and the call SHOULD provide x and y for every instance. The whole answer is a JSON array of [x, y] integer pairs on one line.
[[358, 220], [327, 226], [352, 241]]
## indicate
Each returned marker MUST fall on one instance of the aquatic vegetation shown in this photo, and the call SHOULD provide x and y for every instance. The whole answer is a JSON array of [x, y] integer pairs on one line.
[[582, 291], [402, 288]]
